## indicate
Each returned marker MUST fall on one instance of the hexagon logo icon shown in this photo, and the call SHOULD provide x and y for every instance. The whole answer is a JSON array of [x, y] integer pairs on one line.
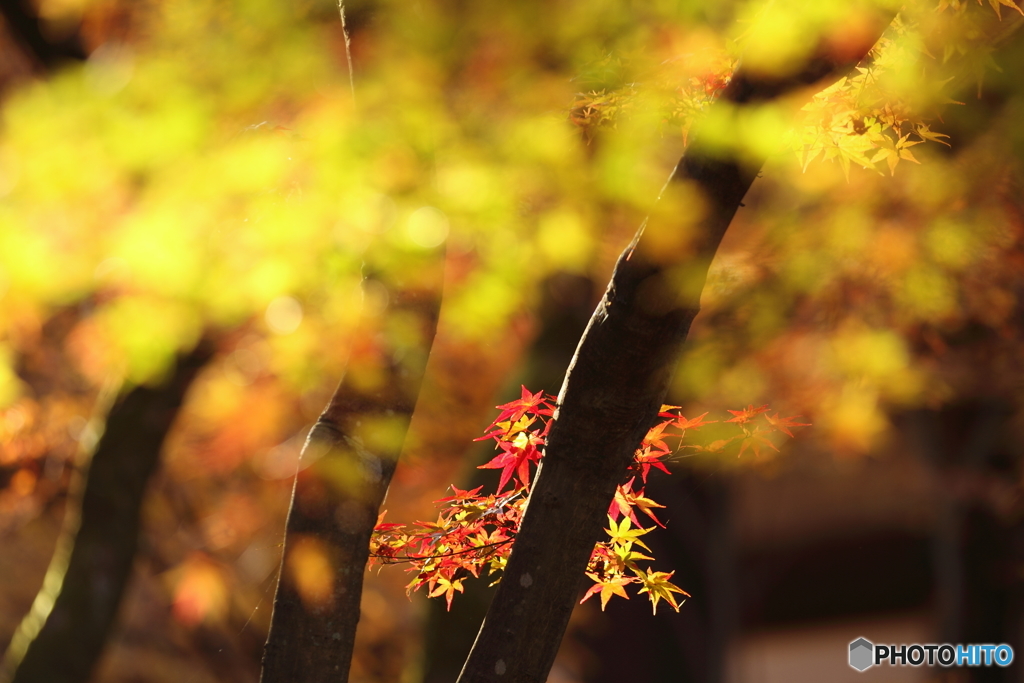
[[861, 654]]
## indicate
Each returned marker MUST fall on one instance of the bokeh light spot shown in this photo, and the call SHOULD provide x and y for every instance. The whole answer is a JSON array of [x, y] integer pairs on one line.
[[427, 227], [284, 315]]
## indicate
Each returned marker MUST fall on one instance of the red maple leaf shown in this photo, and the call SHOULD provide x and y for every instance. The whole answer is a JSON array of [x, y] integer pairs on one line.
[[460, 495], [515, 458], [528, 404], [646, 459]]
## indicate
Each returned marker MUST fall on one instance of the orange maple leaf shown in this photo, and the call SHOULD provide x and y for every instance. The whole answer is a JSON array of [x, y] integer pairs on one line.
[[784, 423], [699, 421], [447, 588], [747, 414], [655, 436], [754, 443], [607, 588]]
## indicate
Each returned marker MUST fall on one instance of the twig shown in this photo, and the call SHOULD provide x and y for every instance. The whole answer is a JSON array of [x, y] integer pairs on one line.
[[348, 49]]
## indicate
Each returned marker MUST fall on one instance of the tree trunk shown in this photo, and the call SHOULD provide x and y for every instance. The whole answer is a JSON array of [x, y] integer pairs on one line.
[[614, 389], [63, 636], [349, 458], [26, 26]]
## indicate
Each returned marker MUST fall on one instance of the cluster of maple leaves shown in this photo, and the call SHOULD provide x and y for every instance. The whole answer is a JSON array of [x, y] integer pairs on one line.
[[682, 103], [859, 120], [474, 532]]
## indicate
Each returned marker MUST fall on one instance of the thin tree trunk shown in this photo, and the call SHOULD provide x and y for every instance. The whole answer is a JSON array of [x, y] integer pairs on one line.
[[63, 635], [612, 394], [351, 453]]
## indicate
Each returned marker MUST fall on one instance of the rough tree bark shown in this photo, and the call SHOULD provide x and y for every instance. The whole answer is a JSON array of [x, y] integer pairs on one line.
[[615, 386], [62, 637], [350, 455]]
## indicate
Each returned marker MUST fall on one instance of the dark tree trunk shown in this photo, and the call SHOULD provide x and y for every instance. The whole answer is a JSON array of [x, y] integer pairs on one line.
[[349, 458], [978, 590], [62, 637], [27, 29], [612, 394]]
